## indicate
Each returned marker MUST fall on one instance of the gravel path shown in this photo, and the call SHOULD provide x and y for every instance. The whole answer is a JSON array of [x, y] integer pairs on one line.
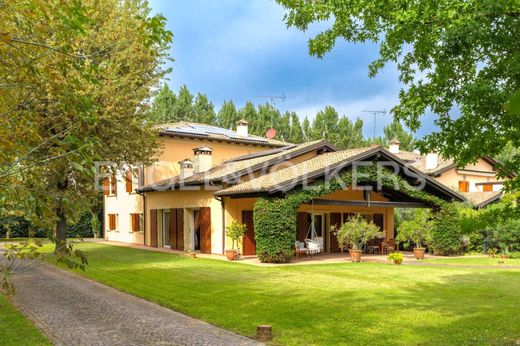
[[72, 310]]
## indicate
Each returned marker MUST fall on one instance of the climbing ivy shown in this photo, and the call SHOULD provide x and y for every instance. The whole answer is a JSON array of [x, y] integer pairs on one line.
[[275, 217]]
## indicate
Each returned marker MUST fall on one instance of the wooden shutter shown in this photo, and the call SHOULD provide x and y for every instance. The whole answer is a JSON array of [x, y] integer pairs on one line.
[[335, 220], [173, 229], [135, 222], [153, 227], [106, 187], [113, 185], [249, 240], [128, 179], [302, 226], [180, 229], [463, 186], [487, 188], [205, 230], [177, 228], [111, 222]]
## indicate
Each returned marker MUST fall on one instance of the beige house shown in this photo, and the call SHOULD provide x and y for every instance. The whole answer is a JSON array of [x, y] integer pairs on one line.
[[478, 182], [206, 177]]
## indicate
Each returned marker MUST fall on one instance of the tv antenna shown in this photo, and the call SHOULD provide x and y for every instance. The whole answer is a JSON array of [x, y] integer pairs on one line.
[[272, 98], [375, 114]]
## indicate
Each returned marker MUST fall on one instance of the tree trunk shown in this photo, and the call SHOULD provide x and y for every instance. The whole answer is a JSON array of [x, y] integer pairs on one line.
[[61, 230]]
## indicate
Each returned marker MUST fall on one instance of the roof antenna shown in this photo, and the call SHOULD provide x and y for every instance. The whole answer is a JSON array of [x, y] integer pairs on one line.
[[375, 114], [271, 132]]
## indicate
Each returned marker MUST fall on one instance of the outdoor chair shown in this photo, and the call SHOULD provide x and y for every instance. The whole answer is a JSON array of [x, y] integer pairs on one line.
[[389, 246], [300, 249]]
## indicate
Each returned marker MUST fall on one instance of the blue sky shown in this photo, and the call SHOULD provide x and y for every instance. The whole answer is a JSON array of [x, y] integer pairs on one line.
[[242, 50]]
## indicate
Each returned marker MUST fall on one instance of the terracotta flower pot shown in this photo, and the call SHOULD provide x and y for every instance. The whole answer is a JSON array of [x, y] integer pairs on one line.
[[398, 262], [419, 253], [231, 255], [355, 255]]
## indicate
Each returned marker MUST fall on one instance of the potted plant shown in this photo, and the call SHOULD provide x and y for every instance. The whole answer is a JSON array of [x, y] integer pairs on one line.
[[416, 231], [235, 231], [355, 233], [396, 258]]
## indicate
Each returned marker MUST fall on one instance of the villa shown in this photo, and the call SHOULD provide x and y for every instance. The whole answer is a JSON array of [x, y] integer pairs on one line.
[[206, 177]]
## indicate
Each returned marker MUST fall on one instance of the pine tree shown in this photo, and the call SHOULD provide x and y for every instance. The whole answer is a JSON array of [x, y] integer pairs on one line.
[[325, 125]]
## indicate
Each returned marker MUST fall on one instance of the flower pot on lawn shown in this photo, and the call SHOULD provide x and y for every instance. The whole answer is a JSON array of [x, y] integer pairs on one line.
[[231, 255], [355, 255], [419, 253]]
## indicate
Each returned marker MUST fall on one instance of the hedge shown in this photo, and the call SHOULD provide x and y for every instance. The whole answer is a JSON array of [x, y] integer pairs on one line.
[[275, 217]]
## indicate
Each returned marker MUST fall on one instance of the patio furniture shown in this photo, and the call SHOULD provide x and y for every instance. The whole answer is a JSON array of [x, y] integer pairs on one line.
[[313, 247], [388, 247], [373, 249], [300, 249]]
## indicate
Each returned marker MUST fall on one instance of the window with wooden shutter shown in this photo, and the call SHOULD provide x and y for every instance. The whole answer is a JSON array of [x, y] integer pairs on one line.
[[463, 186], [106, 187], [487, 187], [112, 220], [128, 180], [136, 222], [113, 185]]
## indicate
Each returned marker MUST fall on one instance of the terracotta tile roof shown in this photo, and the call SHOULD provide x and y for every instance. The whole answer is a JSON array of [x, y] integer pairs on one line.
[[210, 132], [287, 175], [481, 199], [230, 170]]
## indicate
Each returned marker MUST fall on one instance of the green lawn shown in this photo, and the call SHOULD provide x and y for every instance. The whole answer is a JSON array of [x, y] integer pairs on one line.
[[356, 304], [476, 261], [15, 329]]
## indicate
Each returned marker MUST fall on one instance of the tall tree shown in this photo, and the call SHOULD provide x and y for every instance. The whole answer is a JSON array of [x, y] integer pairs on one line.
[[203, 110], [296, 134], [325, 125], [452, 55], [350, 133], [227, 115], [183, 108], [248, 112], [306, 129], [78, 83], [163, 105]]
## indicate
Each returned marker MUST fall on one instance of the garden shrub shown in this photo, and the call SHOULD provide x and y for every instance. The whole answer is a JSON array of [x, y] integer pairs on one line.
[[275, 217], [446, 232]]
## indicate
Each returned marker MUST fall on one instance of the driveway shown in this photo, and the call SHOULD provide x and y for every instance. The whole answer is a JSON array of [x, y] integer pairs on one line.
[[72, 310]]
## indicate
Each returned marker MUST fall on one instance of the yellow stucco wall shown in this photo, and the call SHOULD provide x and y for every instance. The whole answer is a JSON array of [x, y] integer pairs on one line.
[[188, 200], [175, 149]]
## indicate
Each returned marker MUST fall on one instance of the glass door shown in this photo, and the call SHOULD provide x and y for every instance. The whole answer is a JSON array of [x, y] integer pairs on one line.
[[166, 228]]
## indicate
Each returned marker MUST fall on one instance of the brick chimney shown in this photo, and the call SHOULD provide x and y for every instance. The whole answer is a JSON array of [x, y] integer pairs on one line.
[[186, 168], [203, 159], [242, 129], [393, 146]]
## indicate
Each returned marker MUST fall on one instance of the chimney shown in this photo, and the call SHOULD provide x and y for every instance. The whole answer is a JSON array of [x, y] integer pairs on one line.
[[203, 159], [393, 146], [432, 160], [186, 168], [242, 128]]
